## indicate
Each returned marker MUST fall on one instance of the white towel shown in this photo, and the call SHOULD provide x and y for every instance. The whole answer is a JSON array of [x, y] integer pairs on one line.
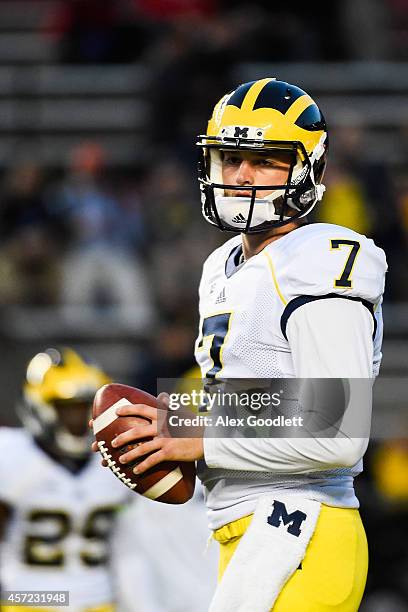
[[267, 555]]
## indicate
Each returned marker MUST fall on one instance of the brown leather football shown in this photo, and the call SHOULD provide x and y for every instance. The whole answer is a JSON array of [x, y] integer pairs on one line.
[[170, 482]]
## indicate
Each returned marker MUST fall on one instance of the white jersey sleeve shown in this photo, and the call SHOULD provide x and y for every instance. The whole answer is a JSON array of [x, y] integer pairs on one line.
[[325, 262], [319, 350], [284, 455]]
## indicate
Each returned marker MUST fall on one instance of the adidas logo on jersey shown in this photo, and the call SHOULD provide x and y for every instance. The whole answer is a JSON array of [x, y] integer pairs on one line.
[[221, 297], [239, 218]]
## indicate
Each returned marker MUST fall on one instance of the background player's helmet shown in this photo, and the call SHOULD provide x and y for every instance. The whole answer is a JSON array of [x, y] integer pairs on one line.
[[57, 399], [271, 116]]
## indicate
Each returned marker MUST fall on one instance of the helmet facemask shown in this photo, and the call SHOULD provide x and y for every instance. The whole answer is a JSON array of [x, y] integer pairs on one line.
[[289, 201], [46, 422]]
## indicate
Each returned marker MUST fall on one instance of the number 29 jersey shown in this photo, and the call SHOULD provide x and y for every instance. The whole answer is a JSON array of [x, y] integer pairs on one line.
[[245, 307], [57, 537]]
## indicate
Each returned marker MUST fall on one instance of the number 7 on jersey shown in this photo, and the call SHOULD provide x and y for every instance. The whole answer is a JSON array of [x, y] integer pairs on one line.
[[345, 279], [215, 327]]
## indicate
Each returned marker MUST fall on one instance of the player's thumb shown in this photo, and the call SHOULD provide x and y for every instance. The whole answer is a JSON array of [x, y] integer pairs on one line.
[[164, 399]]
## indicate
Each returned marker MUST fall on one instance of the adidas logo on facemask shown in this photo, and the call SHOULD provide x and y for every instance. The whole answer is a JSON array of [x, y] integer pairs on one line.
[[239, 218]]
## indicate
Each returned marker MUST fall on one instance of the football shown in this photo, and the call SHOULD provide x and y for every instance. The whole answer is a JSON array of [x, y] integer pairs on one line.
[[169, 482]]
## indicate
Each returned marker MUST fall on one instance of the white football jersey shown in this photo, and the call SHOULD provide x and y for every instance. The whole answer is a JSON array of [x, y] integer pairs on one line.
[[57, 538], [244, 311]]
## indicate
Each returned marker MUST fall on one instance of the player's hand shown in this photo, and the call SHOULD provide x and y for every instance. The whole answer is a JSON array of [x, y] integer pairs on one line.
[[162, 447]]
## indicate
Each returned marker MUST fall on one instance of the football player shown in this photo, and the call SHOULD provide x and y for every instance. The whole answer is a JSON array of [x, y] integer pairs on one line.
[[57, 506], [283, 298]]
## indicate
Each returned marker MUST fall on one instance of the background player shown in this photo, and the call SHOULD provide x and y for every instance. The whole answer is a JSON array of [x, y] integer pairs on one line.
[[310, 308], [59, 510], [57, 506]]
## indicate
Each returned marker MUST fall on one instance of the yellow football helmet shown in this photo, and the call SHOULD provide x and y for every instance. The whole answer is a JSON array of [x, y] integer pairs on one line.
[[272, 116], [57, 398]]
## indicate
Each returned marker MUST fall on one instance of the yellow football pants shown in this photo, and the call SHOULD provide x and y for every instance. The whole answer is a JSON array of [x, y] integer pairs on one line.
[[333, 572]]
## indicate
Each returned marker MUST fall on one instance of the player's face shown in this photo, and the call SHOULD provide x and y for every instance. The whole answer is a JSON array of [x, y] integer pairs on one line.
[[247, 168], [74, 416]]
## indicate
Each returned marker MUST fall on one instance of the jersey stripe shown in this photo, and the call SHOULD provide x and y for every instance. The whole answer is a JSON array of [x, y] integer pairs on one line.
[[275, 281], [306, 299]]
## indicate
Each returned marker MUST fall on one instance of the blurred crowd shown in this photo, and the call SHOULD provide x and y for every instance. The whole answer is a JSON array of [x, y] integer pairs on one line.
[[97, 236], [91, 235], [127, 30]]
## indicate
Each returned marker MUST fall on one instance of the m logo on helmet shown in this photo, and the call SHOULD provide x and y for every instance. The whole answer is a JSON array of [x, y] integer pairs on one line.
[[246, 132], [241, 132]]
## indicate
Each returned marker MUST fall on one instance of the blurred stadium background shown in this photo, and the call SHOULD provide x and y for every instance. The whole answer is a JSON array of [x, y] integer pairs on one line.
[[102, 237]]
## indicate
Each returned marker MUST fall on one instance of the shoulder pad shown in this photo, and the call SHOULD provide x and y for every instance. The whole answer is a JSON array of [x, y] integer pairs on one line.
[[324, 259]]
